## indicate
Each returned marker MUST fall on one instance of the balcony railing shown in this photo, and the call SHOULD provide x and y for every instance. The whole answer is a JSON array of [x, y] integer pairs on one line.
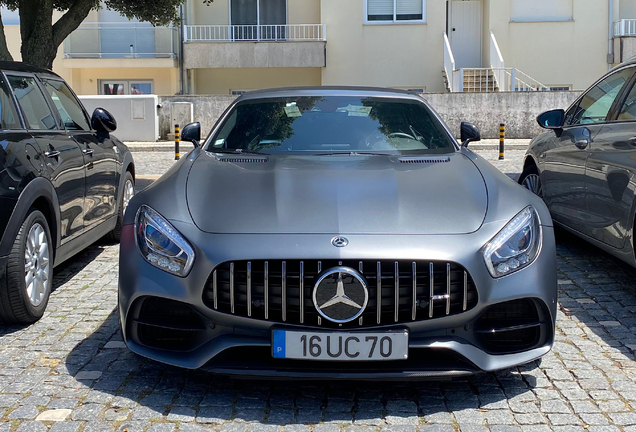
[[625, 27], [121, 40], [255, 33]]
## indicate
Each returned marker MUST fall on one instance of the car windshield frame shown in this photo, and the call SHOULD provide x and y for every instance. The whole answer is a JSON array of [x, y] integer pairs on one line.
[[297, 106]]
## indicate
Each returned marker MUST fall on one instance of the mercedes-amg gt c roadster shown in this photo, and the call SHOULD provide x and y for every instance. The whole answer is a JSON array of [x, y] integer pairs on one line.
[[340, 233]]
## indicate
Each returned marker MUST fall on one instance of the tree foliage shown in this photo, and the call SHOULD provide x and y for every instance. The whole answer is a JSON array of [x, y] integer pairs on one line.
[[41, 36]]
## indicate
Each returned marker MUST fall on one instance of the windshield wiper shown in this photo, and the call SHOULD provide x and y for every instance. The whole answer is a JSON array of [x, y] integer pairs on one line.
[[235, 151]]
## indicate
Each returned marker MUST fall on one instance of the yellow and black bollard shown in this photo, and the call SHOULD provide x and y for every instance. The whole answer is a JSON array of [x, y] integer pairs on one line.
[[502, 136], [177, 139]]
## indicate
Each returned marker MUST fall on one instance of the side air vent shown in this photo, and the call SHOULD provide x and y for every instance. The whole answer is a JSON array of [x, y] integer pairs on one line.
[[424, 160], [243, 160]]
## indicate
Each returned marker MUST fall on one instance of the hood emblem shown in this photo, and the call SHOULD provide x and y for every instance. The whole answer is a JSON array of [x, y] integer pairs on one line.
[[340, 295], [339, 241]]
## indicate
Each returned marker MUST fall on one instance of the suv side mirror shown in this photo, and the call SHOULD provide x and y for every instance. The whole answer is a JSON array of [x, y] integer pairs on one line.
[[103, 121], [552, 119], [469, 133], [192, 132]]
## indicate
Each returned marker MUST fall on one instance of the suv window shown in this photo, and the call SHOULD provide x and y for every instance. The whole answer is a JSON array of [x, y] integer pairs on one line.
[[628, 110], [36, 110], [8, 114], [66, 104], [596, 103]]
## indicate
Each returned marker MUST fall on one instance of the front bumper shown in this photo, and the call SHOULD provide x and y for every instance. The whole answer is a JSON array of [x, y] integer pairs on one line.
[[441, 347]]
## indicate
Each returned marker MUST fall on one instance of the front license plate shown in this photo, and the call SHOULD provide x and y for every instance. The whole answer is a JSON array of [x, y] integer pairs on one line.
[[340, 346]]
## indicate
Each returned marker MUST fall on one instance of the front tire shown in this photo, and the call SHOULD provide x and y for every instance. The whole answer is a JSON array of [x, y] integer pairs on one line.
[[531, 180], [127, 192], [29, 272]]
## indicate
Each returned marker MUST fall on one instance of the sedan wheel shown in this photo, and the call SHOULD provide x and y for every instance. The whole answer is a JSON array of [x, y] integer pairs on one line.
[[532, 182], [36, 264]]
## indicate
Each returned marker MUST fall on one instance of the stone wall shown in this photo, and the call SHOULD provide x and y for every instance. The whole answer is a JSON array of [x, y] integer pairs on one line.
[[518, 110]]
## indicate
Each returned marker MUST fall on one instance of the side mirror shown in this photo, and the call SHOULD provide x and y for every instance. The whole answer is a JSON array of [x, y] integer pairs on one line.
[[192, 132], [552, 119], [103, 121], [469, 133]]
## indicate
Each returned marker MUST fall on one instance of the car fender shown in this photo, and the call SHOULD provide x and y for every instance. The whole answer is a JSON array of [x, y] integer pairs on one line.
[[37, 188]]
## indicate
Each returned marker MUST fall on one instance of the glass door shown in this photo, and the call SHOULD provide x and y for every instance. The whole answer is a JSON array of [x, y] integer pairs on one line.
[[258, 19]]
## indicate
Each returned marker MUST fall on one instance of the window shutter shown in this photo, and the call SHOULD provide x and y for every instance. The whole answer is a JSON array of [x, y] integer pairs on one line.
[[380, 10], [409, 9]]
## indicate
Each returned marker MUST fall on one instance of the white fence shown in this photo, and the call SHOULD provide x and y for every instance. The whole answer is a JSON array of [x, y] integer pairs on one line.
[[625, 27], [266, 33]]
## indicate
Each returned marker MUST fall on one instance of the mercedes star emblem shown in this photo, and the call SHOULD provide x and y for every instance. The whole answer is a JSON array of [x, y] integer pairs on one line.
[[339, 241], [340, 294]]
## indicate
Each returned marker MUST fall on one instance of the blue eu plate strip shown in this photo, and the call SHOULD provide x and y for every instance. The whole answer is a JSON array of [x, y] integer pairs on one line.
[[279, 344]]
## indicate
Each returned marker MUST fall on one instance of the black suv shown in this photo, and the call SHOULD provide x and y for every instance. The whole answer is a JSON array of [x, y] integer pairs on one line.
[[65, 182]]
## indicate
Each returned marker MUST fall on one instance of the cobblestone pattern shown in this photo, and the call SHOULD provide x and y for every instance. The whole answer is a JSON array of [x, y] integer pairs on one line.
[[71, 373]]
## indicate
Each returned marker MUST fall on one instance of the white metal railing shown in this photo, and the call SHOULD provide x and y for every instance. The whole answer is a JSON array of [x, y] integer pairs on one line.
[[496, 59], [625, 27], [265, 33], [449, 64], [121, 40]]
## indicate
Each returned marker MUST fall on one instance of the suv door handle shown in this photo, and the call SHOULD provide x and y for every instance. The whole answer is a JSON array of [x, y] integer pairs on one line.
[[52, 153], [87, 151]]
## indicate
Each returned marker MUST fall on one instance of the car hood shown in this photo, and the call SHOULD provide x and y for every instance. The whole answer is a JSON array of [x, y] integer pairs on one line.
[[359, 194]]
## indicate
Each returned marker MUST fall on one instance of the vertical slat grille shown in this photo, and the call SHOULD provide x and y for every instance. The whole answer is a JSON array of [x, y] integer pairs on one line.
[[249, 289], [284, 290], [414, 280], [399, 291], [266, 289], [431, 275], [232, 287], [378, 295], [302, 292]]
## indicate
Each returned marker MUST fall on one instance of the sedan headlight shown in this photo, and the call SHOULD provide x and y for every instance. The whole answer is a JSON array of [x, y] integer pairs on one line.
[[516, 246], [161, 244]]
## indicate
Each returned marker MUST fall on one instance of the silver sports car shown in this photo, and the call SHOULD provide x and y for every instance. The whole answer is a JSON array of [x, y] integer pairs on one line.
[[333, 232]]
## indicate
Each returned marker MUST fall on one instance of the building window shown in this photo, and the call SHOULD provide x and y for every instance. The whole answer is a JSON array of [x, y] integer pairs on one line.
[[258, 19], [541, 10], [125, 87], [395, 11], [560, 88]]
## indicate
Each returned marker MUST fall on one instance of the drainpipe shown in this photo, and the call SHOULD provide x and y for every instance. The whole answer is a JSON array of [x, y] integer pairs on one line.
[[181, 84], [610, 47]]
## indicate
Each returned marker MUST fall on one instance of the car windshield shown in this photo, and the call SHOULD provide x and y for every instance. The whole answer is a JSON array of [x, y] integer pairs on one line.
[[331, 125]]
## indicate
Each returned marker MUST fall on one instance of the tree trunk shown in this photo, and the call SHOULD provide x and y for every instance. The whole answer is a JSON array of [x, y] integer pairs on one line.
[[40, 37], [5, 55], [36, 29]]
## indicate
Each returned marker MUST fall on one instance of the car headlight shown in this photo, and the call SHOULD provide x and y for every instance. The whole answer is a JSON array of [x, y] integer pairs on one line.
[[161, 244], [516, 246]]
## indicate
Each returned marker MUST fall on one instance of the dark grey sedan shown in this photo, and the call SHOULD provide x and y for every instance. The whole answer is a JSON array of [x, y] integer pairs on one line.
[[584, 166]]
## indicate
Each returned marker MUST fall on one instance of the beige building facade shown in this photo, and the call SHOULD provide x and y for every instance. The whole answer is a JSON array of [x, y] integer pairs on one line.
[[232, 46]]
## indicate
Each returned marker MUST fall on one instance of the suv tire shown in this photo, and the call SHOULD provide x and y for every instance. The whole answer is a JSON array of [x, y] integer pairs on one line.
[[29, 275]]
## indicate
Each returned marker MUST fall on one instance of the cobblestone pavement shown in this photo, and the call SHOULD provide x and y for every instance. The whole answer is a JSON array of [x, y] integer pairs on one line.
[[71, 373]]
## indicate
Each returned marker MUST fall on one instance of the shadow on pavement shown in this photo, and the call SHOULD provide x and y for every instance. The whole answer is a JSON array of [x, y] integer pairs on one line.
[[598, 291]]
